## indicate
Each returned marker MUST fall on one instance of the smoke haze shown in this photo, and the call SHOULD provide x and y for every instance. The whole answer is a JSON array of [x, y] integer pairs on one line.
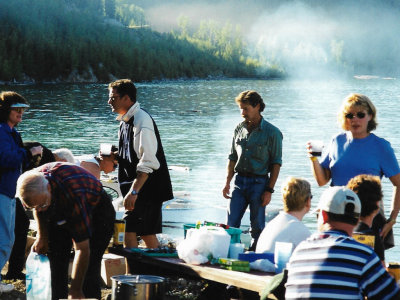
[[305, 38]]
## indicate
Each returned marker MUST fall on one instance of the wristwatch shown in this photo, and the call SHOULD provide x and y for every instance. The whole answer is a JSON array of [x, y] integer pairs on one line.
[[393, 221], [134, 192], [269, 189]]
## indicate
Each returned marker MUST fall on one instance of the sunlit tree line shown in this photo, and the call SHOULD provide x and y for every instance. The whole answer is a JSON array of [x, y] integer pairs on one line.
[[59, 40]]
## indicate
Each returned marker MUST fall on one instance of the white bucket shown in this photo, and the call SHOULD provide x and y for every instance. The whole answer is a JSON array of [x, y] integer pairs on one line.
[[217, 239]]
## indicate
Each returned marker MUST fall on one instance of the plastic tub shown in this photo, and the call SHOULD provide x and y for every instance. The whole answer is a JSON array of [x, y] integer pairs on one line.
[[233, 232]]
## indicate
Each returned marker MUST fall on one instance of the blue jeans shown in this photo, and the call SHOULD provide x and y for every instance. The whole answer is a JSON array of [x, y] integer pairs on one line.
[[7, 224], [248, 192]]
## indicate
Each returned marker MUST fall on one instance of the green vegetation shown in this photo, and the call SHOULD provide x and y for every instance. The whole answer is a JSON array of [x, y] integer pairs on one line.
[[98, 40]]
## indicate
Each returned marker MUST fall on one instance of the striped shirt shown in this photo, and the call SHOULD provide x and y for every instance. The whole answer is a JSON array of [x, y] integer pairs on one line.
[[332, 265], [74, 194]]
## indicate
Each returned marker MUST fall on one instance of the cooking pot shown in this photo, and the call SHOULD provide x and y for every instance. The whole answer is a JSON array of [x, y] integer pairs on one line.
[[137, 287]]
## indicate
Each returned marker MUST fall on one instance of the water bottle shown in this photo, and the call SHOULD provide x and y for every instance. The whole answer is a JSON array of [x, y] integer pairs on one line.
[[198, 225], [38, 277], [119, 233]]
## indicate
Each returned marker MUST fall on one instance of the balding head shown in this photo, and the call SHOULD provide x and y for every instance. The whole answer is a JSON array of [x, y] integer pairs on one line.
[[31, 186]]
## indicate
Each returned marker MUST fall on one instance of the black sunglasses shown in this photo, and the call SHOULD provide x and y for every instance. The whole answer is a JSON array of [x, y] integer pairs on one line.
[[359, 115]]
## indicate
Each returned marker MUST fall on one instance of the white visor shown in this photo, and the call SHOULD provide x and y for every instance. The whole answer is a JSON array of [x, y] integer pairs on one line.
[[18, 105]]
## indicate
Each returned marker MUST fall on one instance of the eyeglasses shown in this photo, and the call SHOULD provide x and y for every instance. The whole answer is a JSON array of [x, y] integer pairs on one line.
[[115, 97], [359, 115], [45, 204], [19, 109]]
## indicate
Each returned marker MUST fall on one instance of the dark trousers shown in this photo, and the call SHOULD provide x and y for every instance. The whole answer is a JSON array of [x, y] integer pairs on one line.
[[60, 244], [16, 261]]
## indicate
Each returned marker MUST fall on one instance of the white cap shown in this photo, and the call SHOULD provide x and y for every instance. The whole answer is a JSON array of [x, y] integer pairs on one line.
[[336, 199]]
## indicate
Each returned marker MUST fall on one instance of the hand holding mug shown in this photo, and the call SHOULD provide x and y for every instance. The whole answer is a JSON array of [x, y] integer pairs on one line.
[[314, 148]]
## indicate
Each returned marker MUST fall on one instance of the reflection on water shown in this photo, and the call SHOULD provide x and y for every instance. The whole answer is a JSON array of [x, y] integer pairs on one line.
[[196, 121]]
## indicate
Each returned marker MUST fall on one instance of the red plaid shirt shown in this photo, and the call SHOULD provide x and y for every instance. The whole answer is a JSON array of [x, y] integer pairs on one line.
[[75, 192]]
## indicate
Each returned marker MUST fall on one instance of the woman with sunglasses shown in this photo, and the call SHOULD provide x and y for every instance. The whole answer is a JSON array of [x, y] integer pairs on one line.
[[358, 151], [95, 164], [13, 157]]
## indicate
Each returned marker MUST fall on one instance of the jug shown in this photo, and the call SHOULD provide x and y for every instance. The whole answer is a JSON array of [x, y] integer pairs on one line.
[[38, 277]]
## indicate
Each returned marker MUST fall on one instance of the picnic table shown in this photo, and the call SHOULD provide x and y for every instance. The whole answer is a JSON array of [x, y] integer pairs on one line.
[[254, 281]]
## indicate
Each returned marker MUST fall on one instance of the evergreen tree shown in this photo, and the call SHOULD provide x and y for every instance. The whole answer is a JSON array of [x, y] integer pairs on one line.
[[109, 8]]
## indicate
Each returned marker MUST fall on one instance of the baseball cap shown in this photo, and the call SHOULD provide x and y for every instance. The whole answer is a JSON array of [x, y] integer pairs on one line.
[[336, 199], [18, 105]]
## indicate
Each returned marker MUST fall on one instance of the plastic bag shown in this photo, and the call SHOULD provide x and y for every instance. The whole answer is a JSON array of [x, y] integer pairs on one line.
[[203, 243], [38, 277], [264, 265]]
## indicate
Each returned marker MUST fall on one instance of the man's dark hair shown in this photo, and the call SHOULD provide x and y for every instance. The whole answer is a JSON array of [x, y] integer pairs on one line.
[[7, 99], [369, 190], [124, 87], [252, 98], [348, 216]]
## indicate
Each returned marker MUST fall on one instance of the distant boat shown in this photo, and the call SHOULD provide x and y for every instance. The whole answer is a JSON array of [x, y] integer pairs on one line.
[[179, 168]]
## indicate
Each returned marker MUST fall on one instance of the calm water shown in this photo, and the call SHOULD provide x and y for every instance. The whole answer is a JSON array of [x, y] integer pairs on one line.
[[196, 120]]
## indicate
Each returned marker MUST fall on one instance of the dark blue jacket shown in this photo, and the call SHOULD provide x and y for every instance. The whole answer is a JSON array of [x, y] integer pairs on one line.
[[12, 157]]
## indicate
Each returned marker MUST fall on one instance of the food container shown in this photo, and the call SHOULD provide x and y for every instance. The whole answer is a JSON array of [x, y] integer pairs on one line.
[[119, 233], [251, 256], [215, 239], [137, 287], [233, 232]]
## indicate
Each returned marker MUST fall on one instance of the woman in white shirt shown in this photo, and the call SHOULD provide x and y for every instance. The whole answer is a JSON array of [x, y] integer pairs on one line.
[[92, 163], [288, 226]]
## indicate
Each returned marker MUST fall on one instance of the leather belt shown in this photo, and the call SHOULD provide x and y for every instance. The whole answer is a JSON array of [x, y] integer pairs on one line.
[[245, 174]]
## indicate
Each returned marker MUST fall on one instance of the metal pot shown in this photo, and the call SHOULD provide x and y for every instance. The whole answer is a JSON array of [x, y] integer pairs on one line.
[[137, 287]]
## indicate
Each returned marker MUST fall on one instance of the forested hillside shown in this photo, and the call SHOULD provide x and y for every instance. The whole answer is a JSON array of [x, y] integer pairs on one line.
[[92, 40], [99, 40]]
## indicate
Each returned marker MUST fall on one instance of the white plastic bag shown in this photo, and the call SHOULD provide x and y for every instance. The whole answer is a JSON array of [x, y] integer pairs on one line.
[[38, 277], [264, 265], [202, 243]]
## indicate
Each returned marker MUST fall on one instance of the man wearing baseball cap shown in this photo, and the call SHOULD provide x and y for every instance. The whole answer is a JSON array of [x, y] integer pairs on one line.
[[331, 264]]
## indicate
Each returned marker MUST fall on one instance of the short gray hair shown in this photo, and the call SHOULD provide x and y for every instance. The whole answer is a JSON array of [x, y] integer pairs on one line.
[[64, 154], [31, 183]]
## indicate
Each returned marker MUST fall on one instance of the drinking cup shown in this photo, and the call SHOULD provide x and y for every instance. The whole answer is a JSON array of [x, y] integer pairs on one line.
[[316, 147], [235, 249], [245, 238], [283, 251], [394, 270]]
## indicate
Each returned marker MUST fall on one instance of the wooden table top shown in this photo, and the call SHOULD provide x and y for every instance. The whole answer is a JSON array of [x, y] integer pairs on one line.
[[253, 281]]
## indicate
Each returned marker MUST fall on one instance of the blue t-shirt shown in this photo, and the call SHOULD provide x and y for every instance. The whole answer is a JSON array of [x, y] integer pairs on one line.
[[348, 157]]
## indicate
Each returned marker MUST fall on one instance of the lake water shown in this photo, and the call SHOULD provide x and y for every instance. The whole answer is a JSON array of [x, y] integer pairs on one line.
[[196, 120]]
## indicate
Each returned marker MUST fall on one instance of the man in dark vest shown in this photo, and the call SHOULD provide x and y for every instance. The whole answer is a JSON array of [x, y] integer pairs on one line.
[[143, 172]]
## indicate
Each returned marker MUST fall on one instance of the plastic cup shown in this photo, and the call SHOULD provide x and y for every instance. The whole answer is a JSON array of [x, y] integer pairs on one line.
[[245, 238], [235, 249], [394, 270], [316, 147], [283, 251]]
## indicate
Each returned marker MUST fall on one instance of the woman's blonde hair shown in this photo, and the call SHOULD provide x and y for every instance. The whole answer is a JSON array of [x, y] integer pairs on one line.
[[295, 193], [357, 100]]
